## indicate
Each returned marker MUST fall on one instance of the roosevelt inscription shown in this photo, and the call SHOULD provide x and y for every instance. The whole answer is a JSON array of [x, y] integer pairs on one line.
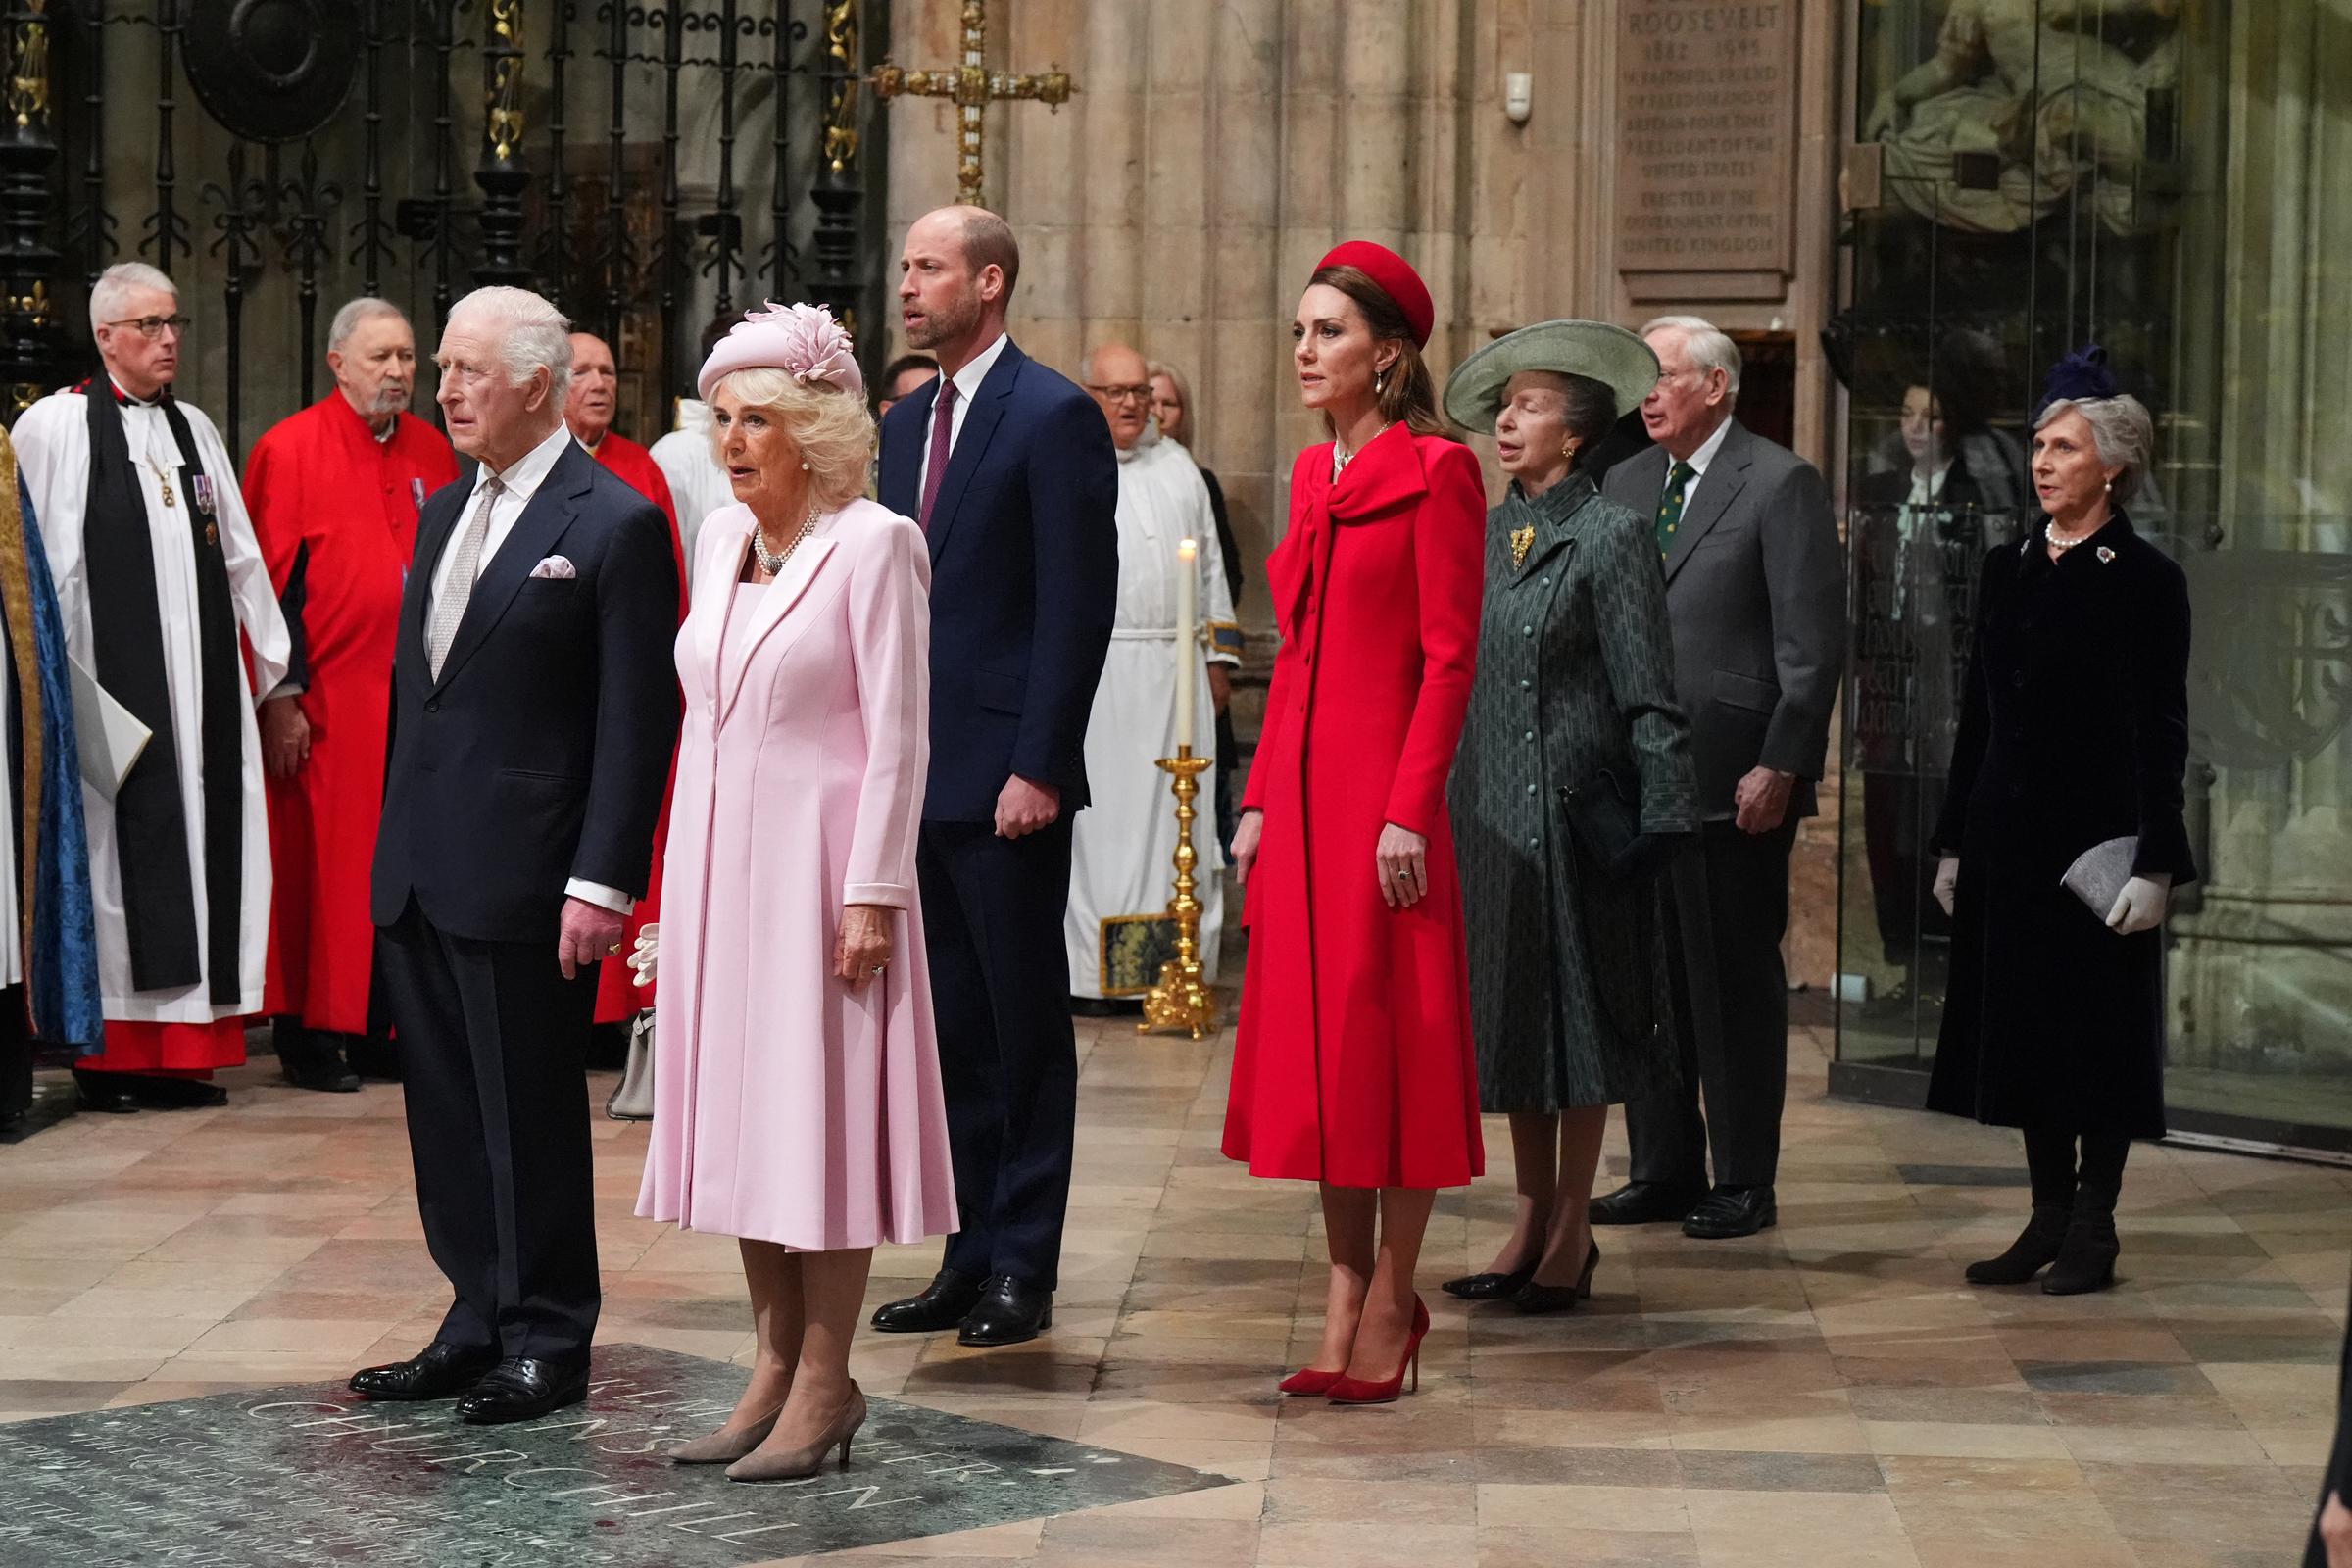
[[1706, 115]]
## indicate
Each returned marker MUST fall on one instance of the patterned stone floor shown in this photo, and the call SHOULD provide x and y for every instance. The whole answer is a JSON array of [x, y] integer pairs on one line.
[[1828, 1394]]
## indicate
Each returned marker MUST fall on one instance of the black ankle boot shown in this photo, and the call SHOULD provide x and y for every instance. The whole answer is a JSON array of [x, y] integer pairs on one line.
[[2087, 1256], [2036, 1248]]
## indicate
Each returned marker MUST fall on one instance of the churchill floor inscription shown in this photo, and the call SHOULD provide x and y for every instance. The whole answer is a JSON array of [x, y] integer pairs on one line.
[[312, 1477]]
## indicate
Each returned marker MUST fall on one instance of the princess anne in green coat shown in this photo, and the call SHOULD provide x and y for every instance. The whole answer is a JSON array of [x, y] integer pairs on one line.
[[1574, 698]]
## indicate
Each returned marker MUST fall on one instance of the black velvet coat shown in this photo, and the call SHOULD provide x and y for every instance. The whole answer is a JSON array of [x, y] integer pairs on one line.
[[2074, 729]]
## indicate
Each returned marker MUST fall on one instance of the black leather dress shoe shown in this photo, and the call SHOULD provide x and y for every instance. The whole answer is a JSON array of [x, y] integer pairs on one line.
[[523, 1389], [1730, 1211], [103, 1092], [940, 1308], [312, 1059], [157, 1092], [1008, 1313], [372, 1056], [439, 1371], [1645, 1204]]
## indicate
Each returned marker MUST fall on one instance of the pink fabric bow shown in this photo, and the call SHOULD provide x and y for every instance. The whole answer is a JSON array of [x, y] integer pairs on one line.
[[801, 340]]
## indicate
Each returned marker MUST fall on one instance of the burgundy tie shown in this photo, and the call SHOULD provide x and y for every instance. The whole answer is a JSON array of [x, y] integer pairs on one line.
[[942, 428]]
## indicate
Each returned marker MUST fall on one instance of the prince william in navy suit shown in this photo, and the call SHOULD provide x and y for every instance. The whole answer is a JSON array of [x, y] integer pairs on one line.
[[1009, 470]]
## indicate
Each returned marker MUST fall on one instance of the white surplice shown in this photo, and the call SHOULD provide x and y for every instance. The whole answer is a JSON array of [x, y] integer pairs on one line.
[[1123, 846], [53, 449], [696, 483]]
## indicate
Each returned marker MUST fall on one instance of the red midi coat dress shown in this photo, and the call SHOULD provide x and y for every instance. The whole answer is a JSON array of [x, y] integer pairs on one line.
[[1354, 1062]]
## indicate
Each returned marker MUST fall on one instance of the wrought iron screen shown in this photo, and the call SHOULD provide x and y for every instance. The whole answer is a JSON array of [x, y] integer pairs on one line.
[[648, 167]]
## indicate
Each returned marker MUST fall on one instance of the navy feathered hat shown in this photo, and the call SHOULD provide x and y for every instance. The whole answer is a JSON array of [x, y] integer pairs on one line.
[[2082, 375]]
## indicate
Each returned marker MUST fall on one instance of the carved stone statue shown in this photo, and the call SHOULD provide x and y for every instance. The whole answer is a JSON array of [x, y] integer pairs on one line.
[[2039, 86]]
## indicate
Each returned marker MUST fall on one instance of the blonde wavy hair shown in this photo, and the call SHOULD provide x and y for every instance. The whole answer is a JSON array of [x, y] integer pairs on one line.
[[831, 427]]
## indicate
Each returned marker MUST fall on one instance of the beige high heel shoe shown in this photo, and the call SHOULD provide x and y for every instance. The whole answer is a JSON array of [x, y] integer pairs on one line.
[[725, 1446], [798, 1464]]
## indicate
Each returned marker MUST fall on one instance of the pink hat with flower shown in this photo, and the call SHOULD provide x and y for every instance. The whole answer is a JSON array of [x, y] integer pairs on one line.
[[801, 340]]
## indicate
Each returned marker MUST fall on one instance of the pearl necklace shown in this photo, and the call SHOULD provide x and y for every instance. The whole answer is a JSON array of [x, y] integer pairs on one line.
[[2063, 543], [773, 565]]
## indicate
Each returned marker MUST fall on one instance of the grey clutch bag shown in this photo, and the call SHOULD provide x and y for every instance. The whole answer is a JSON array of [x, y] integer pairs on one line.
[[2099, 873]]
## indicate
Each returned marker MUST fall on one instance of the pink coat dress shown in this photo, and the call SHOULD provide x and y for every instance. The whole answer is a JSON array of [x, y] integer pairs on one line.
[[788, 1108]]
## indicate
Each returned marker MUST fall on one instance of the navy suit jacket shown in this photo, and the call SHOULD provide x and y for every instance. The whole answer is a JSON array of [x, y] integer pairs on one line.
[[1025, 581], [540, 753]]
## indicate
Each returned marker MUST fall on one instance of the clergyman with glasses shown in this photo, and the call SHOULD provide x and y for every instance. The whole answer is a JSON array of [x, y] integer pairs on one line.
[[158, 577], [1122, 853]]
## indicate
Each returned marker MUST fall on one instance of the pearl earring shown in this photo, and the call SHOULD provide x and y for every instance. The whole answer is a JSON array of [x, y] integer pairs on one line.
[[803, 464], [1380, 382], [2107, 485]]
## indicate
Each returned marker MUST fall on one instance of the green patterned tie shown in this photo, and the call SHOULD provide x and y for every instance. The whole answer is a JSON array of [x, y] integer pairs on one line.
[[1670, 506]]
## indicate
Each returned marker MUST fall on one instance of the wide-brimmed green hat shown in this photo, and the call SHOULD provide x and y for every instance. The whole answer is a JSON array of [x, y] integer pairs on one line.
[[1609, 355]]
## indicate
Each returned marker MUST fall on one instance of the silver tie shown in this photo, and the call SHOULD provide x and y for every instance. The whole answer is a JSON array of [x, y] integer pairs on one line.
[[450, 607]]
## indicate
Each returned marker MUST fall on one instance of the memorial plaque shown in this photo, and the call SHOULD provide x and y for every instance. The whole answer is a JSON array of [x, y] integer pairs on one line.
[[312, 1477], [1707, 115]]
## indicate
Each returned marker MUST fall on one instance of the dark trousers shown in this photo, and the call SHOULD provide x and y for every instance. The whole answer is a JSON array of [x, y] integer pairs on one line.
[[1899, 812], [1007, 1056], [1730, 899], [491, 1036], [16, 1055]]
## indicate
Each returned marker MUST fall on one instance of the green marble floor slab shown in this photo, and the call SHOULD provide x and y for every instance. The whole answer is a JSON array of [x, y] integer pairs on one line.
[[309, 1476]]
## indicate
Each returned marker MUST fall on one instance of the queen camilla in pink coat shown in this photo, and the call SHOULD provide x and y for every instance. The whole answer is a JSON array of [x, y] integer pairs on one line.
[[797, 1101]]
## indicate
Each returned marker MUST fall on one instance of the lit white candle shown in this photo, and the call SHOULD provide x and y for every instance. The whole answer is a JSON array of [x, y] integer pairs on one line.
[[1187, 637]]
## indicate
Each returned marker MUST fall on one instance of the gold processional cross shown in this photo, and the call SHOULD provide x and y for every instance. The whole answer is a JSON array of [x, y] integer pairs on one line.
[[973, 87]]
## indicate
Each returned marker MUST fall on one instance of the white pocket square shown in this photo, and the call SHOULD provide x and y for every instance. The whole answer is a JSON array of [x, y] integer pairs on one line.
[[555, 567]]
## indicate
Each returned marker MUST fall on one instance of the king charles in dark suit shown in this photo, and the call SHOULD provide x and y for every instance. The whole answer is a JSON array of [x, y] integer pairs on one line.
[[1755, 592], [1009, 469], [534, 710]]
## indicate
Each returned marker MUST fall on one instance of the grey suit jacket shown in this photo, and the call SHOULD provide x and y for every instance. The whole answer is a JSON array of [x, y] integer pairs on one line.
[[1756, 591]]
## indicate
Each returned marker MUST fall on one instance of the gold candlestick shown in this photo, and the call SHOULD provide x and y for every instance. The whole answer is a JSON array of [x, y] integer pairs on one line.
[[1181, 998]]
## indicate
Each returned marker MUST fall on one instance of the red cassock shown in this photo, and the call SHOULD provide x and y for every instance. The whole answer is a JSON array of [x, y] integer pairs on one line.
[[617, 994], [1352, 1063], [336, 510]]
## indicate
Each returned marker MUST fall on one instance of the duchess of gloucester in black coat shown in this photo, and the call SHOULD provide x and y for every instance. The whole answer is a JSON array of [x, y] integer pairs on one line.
[[2074, 729]]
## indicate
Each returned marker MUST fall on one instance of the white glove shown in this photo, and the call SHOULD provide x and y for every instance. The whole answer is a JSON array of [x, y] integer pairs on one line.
[[1947, 881], [2140, 905], [648, 952]]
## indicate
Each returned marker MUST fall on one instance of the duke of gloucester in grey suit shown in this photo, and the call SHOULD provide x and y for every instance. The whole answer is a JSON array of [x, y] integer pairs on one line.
[[1574, 676], [1755, 591]]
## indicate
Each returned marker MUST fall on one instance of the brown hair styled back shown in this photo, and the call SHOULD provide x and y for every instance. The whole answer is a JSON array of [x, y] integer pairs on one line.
[[1408, 396]]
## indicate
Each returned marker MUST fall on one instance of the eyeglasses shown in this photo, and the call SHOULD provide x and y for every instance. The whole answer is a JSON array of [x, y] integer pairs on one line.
[[152, 327], [1122, 394]]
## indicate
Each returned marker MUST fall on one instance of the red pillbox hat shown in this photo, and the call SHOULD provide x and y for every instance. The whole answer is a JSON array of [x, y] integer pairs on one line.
[[1396, 279]]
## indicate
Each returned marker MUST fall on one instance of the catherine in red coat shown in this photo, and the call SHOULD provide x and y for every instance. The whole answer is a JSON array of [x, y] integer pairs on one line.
[[1353, 1065]]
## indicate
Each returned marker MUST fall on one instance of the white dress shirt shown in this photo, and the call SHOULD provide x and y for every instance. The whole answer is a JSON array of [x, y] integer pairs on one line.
[[523, 480], [968, 387], [1699, 460]]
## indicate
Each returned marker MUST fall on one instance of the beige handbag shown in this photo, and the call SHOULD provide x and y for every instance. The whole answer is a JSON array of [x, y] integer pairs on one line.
[[633, 1099]]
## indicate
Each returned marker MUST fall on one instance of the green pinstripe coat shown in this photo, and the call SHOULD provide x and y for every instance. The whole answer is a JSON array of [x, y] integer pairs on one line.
[[1575, 676]]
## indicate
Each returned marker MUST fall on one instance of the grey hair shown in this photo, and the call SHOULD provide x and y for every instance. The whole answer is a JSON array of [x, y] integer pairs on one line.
[[1707, 345], [2122, 430], [1153, 371], [367, 308], [537, 336], [120, 279]]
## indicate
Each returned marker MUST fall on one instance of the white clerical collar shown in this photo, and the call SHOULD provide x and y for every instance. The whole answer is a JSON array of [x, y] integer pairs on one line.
[[529, 472], [975, 369], [1707, 449], [1149, 438]]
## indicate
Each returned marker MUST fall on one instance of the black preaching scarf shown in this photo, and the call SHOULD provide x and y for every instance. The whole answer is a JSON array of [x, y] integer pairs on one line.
[[151, 826]]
